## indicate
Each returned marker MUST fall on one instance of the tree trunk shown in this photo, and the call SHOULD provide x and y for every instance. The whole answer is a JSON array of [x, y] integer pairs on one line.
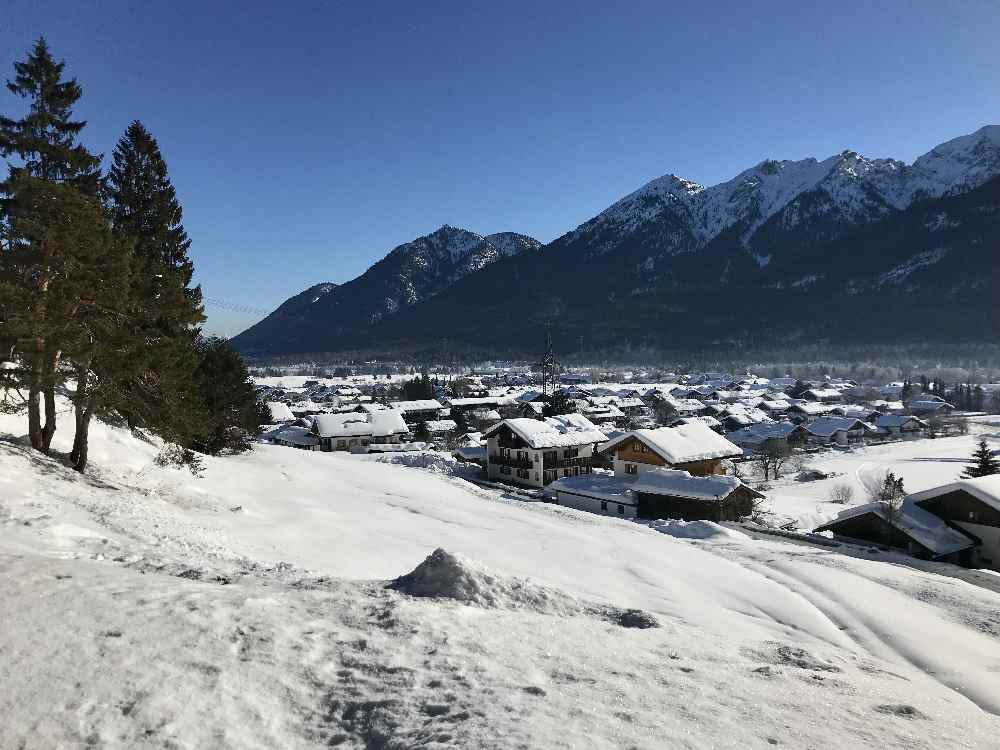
[[49, 395], [34, 417], [51, 362], [80, 442], [81, 410]]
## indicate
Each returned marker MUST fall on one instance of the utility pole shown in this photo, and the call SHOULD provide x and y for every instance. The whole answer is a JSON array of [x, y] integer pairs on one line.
[[548, 366]]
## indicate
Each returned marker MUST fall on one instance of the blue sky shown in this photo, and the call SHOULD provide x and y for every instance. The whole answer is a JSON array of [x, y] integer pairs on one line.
[[306, 139]]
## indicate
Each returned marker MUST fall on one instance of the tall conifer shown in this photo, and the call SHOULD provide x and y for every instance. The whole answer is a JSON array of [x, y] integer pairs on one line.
[[33, 262]]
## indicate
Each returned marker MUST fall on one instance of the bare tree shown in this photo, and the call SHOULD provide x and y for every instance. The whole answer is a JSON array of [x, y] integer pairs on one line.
[[770, 459], [886, 489], [842, 494]]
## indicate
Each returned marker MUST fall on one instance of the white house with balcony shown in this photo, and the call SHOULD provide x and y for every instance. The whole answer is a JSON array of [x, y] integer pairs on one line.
[[535, 452]]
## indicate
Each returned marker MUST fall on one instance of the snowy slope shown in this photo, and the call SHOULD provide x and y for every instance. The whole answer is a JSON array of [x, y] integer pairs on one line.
[[145, 607]]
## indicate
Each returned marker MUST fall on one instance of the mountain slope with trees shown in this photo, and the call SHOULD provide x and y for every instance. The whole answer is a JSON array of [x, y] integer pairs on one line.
[[326, 316]]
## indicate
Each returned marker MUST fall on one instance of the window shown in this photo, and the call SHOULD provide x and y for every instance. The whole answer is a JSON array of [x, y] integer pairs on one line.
[[973, 516], [572, 452], [604, 504], [621, 510], [522, 474], [631, 469], [505, 470], [341, 443]]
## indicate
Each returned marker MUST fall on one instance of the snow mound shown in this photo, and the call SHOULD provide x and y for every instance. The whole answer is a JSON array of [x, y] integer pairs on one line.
[[695, 530], [433, 462], [443, 575]]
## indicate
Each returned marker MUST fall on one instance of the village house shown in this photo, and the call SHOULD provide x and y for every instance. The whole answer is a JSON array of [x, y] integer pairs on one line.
[[421, 410], [293, 436], [352, 430], [278, 412], [838, 431], [759, 437], [693, 447], [911, 528], [536, 452], [973, 507], [903, 426], [807, 411], [823, 395], [658, 493]]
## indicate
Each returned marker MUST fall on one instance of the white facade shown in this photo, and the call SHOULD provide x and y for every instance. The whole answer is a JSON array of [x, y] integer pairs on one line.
[[622, 507], [988, 553], [533, 467]]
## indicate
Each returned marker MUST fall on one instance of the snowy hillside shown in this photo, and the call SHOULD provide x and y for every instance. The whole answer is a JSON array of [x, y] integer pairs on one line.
[[255, 607]]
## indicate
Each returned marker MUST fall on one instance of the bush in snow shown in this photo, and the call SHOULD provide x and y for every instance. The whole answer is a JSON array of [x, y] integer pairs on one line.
[[177, 457], [842, 494]]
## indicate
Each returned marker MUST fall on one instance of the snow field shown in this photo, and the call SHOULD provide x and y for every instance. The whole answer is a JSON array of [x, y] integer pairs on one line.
[[255, 607]]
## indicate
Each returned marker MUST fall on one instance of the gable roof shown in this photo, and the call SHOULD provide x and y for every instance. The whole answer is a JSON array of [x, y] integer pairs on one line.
[[682, 484], [984, 489], [279, 412], [758, 433], [694, 441], [897, 420], [920, 525], [350, 424], [356, 424], [827, 426], [565, 430], [423, 404]]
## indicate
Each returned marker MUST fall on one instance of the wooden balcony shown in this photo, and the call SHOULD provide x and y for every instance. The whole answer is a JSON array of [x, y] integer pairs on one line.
[[515, 463]]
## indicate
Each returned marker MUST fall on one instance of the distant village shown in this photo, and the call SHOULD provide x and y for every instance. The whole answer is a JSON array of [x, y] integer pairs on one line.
[[698, 446]]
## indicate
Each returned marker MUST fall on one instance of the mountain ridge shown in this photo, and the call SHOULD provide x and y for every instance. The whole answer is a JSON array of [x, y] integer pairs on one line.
[[672, 239]]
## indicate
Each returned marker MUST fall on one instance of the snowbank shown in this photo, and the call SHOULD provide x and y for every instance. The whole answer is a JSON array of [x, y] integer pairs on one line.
[[696, 530]]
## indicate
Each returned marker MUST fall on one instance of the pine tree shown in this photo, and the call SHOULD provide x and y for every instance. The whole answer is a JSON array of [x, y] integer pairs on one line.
[[35, 258], [229, 397], [985, 463], [45, 138], [164, 309]]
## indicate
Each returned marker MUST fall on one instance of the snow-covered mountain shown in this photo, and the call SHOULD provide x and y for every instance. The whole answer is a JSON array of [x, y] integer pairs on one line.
[[408, 274], [675, 262], [856, 188]]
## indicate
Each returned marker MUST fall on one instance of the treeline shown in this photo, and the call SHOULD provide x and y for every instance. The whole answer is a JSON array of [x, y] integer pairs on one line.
[[96, 294]]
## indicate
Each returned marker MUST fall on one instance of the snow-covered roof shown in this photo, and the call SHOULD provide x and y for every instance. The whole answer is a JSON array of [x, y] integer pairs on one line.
[[758, 433], [774, 405], [812, 408], [294, 435], [601, 486], [480, 401], [388, 422], [380, 423], [424, 404], [682, 484], [986, 489], [553, 432], [823, 393], [897, 420], [440, 425], [920, 525], [280, 412], [351, 424], [827, 426], [694, 441]]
